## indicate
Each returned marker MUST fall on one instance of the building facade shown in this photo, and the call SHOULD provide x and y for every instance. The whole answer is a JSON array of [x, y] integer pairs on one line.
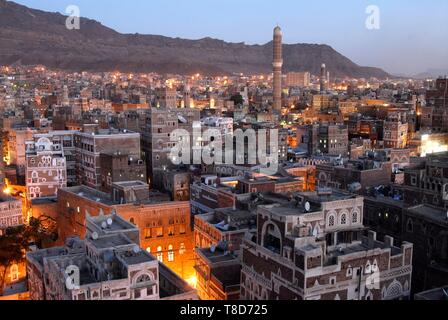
[[108, 265], [46, 169], [313, 249]]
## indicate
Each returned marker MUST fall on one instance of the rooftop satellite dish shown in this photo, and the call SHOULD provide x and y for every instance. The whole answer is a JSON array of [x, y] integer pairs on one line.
[[95, 236], [307, 207], [213, 249], [136, 249], [110, 221], [104, 225]]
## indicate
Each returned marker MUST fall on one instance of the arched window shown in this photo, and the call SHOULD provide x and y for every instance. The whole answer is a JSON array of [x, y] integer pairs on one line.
[[14, 272], [355, 217], [132, 221], [159, 254], [143, 278], [344, 219], [148, 249], [170, 253], [331, 221], [182, 248], [410, 226]]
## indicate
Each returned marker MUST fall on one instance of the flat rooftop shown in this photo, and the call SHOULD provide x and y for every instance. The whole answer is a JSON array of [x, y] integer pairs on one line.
[[131, 257], [91, 194], [333, 195], [229, 275], [439, 294], [118, 224], [111, 241], [429, 212], [217, 256]]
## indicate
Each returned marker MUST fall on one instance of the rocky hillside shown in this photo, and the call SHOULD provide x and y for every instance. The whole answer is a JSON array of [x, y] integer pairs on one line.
[[29, 36]]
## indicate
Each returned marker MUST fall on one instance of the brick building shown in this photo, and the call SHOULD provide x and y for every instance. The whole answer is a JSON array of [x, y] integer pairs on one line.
[[10, 212], [395, 132], [156, 139], [107, 265], [298, 79], [326, 139], [435, 114], [313, 249], [223, 225], [63, 141], [218, 274], [425, 226], [355, 175], [426, 182], [119, 167], [92, 142], [46, 169], [165, 225]]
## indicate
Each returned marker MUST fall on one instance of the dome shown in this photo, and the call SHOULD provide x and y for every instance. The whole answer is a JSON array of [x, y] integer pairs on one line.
[[277, 31]]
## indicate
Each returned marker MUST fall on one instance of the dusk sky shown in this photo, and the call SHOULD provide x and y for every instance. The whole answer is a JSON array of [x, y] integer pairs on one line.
[[412, 37]]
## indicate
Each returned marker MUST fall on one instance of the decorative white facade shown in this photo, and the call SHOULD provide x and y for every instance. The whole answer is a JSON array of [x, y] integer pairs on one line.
[[46, 169]]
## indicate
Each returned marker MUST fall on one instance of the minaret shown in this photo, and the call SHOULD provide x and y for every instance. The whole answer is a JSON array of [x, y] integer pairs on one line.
[[187, 96], [323, 78], [277, 68], [65, 99]]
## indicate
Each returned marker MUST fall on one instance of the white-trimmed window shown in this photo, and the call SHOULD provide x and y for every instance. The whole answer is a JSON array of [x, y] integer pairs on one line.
[[331, 221], [170, 253], [159, 254]]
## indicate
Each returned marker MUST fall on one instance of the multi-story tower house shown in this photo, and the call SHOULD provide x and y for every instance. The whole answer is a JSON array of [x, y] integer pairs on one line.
[[46, 169], [93, 142], [314, 249], [107, 265], [435, 113]]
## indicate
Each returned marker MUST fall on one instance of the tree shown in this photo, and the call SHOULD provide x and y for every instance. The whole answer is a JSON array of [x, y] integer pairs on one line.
[[11, 252], [15, 243]]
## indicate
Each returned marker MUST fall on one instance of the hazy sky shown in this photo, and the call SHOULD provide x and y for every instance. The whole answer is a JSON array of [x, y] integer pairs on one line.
[[413, 35]]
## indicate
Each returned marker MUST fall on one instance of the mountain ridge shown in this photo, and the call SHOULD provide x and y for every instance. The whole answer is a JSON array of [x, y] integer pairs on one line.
[[31, 36]]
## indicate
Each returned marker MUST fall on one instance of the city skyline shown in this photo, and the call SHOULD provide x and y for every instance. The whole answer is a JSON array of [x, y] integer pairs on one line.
[[343, 27], [149, 167]]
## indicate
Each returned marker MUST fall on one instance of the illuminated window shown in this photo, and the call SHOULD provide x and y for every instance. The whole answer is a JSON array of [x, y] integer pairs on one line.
[[14, 272], [182, 229], [170, 253], [159, 254], [182, 248]]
